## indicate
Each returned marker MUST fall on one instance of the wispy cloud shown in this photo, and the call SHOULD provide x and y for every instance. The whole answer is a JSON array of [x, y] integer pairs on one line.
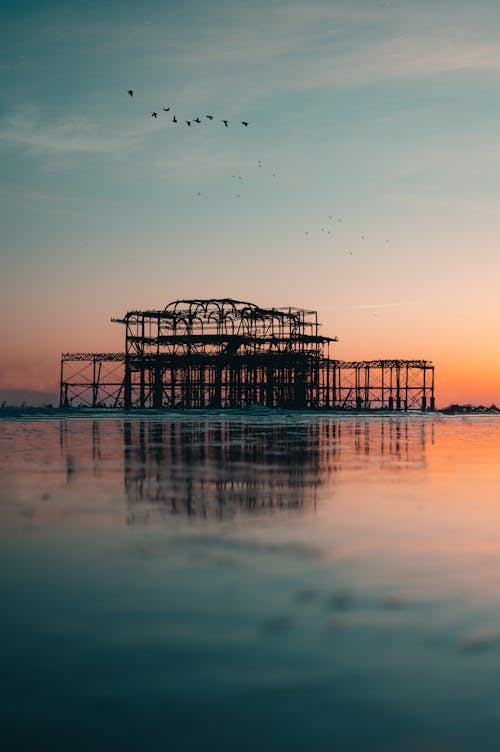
[[299, 46], [400, 58], [390, 304], [27, 129], [240, 54]]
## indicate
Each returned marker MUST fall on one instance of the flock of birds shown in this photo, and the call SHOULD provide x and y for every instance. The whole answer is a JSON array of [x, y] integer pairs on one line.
[[330, 232], [198, 120], [226, 123], [240, 177]]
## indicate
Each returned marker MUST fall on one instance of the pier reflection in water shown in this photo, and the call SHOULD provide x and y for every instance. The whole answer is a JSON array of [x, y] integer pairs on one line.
[[275, 582], [226, 466], [223, 467]]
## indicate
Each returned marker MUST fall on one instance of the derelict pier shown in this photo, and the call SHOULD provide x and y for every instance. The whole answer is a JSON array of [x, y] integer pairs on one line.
[[224, 353]]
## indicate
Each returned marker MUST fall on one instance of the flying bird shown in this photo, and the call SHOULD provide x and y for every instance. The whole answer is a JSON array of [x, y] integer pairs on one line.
[[166, 109], [130, 92], [154, 114], [188, 122], [197, 120], [226, 123], [174, 119], [210, 117], [244, 122]]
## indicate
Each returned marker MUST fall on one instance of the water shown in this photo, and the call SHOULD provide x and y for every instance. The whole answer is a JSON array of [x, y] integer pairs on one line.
[[250, 581]]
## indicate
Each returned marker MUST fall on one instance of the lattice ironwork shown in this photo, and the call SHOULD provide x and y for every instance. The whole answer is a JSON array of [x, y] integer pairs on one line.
[[92, 379], [226, 353]]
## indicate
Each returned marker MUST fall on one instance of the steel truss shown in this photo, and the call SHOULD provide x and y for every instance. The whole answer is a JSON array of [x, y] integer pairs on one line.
[[224, 353], [91, 380]]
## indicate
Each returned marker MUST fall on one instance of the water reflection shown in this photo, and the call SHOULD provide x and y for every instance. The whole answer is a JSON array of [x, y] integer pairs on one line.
[[354, 587], [216, 467], [209, 466]]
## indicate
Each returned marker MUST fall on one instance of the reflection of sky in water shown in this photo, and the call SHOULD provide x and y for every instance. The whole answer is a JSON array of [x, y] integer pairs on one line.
[[288, 582]]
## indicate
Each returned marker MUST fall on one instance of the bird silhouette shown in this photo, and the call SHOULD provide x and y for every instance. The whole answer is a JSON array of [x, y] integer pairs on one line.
[[226, 123], [210, 117], [166, 109], [174, 119], [189, 123], [244, 122], [130, 93], [197, 120], [154, 114]]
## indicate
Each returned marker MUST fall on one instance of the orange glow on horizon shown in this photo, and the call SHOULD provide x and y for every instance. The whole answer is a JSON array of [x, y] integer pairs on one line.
[[464, 373]]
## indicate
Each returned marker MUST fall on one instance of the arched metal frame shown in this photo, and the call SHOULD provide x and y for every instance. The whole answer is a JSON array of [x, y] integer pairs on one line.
[[226, 353]]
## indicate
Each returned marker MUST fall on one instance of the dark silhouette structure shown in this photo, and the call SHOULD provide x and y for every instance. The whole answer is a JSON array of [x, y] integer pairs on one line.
[[225, 353]]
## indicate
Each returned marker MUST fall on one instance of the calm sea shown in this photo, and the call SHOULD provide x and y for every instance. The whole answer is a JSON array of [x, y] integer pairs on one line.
[[250, 581]]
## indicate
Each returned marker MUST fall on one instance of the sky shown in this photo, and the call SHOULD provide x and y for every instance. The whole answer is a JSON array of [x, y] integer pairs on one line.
[[384, 116]]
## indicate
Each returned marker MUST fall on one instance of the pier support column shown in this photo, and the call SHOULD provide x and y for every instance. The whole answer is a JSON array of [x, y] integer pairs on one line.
[[127, 385], [158, 388]]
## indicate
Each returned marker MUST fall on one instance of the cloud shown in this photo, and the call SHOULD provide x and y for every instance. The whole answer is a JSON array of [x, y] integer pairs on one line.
[[299, 46], [402, 58], [241, 58], [28, 130], [239, 54], [393, 304]]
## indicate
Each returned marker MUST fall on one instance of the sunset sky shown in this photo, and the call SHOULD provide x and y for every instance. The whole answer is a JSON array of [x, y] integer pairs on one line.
[[385, 115]]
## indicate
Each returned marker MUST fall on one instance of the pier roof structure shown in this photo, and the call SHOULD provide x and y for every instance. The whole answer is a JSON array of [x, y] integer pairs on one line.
[[221, 352]]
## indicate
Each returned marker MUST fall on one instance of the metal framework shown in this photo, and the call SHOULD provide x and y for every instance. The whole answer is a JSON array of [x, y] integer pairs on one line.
[[91, 380], [224, 353]]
